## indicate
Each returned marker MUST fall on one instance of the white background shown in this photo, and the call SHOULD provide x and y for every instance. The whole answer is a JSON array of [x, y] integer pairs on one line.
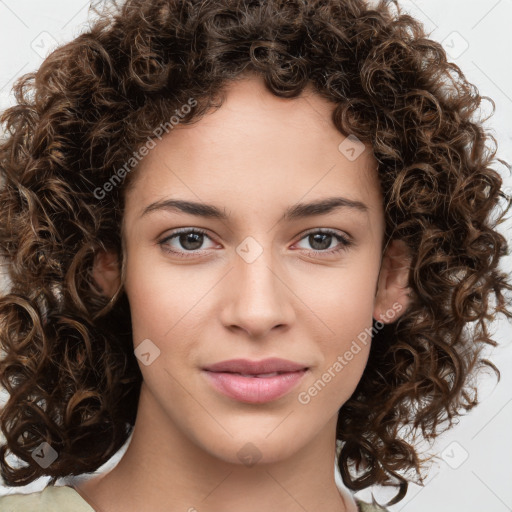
[[472, 472]]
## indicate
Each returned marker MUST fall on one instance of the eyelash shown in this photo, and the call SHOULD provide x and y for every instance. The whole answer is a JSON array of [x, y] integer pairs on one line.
[[345, 243]]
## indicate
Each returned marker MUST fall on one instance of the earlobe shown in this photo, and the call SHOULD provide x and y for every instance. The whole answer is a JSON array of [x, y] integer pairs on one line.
[[393, 291], [106, 272]]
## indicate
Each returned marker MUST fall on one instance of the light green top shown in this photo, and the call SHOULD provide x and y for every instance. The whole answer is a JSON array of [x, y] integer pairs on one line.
[[50, 499], [66, 499]]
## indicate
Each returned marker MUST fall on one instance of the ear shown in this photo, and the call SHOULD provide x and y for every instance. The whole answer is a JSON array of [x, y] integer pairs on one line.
[[106, 272], [392, 297]]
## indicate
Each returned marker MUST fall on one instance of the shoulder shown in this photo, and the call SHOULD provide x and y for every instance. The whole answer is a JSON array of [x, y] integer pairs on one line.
[[368, 507], [50, 499]]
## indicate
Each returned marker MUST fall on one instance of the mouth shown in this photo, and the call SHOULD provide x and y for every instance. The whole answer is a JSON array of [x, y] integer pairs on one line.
[[257, 375], [253, 368], [255, 381]]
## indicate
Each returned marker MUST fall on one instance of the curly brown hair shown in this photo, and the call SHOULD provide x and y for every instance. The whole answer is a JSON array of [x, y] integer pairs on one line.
[[69, 365]]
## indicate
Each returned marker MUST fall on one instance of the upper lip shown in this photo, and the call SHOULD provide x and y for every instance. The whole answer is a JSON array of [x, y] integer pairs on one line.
[[249, 367]]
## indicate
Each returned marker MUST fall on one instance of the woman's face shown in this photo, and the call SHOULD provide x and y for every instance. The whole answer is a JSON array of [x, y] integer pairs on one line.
[[260, 280]]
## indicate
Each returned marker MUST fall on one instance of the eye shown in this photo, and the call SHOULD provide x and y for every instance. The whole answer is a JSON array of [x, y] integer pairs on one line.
[[190, 240], [322, 239]]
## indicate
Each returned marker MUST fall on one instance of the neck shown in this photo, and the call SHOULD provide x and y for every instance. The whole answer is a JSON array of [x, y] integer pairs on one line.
[[163, 470]]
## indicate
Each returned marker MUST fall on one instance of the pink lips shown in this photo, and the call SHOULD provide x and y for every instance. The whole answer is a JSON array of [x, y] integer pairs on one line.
[[255, 381]]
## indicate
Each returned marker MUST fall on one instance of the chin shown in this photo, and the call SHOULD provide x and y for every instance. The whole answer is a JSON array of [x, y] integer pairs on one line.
[[254, 450]]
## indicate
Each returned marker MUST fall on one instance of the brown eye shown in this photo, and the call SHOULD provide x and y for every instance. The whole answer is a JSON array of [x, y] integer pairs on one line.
[[321, 242], [186, 240]]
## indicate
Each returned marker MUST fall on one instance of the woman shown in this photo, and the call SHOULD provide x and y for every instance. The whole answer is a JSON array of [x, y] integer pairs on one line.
[[245, 348]]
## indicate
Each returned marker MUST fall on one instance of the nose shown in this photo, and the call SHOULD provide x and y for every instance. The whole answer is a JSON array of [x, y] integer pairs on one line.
[[258, 297]]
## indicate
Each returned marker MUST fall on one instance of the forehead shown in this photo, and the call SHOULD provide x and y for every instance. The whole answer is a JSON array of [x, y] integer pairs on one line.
[[257, 149]]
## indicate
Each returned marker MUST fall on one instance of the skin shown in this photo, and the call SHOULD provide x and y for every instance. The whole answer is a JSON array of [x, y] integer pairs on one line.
[[253, 158]]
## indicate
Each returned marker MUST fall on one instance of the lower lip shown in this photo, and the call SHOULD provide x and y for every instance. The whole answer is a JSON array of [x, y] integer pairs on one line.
[[256, 390]]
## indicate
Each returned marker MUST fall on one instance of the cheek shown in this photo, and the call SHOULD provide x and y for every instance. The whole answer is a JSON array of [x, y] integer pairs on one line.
[[343, 337], [161, 300], [344, 300], [166, 308]]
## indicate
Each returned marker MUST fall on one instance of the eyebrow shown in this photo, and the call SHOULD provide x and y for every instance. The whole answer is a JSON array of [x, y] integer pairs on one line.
[[298, 211]]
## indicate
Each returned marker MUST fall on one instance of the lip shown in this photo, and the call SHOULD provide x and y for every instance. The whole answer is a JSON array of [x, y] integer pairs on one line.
[[247, 366], [246, 381]]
